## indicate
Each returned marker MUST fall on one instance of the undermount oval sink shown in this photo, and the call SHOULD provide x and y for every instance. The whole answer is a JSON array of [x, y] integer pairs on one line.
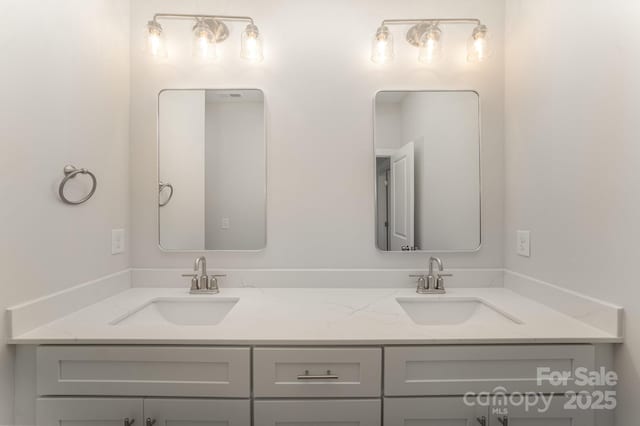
[[424, 310], [180, 311]]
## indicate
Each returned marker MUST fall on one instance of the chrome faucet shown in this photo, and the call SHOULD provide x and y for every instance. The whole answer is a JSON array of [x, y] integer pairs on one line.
[[432, 284], [201, 282]]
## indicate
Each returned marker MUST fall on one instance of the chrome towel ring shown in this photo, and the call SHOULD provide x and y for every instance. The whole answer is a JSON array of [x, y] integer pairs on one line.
[[161, 187], [69, 173]]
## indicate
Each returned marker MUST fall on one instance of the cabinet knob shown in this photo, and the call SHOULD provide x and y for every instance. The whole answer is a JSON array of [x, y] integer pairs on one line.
[[129, 422], [504, 420], [482, 420], [150, 422]]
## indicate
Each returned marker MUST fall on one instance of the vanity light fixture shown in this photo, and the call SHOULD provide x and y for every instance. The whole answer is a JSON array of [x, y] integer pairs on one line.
[[204, 42], [156, 45], [431, 45], [208, 31], [251, 44], [426, 35], [382, 50]]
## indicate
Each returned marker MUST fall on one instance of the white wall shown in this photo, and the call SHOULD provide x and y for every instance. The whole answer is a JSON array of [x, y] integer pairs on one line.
[[319, 91], [572, 152], [64, 81], [388, 125], [235, 175], [182, 163]]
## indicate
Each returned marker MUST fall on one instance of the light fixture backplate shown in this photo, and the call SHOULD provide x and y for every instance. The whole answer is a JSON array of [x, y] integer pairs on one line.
[[218, 28], [416, 32]]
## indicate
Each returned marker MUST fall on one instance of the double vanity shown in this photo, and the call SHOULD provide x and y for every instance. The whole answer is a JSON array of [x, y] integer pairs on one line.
[[374, 347], [305, 356]]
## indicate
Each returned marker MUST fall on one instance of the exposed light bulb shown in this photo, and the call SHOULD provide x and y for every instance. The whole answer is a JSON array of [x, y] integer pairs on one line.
[[478, 47], [155, 40], [251, 44], [204, 42], [431, 45], [382, 48]]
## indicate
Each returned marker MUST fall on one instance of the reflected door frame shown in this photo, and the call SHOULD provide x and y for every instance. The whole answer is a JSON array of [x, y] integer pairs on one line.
[[405, 240]]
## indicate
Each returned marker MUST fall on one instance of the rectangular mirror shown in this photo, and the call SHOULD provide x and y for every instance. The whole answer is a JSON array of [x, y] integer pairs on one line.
[[427, 170], [212, 170]]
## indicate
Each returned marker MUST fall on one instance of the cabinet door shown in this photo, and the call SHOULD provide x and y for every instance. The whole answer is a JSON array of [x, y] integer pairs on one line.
[[556, 415], [433, 411], [203, 412], [88, 412], [349, 412]]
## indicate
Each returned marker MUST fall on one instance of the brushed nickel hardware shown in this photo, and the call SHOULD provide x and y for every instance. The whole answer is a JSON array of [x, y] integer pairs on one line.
[[482, 420], [308, 376], [71, 172], [201, 282], [430, 283], [504, 420], [129, 422], [212, 30], [150, 422], [425, 34], [161, 187]]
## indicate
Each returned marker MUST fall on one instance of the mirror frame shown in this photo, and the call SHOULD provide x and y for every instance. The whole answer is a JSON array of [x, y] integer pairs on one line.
[[375, 192], [266, 171]]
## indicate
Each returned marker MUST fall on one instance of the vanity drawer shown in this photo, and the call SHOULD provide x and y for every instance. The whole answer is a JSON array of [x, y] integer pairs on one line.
[[455, 370], [143, 371], [317, 372]]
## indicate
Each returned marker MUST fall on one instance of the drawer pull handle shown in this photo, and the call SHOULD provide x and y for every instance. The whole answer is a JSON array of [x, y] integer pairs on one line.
[[504, 421], [328, 376], [482, 420], [150, 422], [129, 422]]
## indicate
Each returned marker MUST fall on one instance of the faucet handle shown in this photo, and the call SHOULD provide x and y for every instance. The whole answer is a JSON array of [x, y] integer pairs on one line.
[[417, 276], [218, 275], [195, 284], [440, 281]]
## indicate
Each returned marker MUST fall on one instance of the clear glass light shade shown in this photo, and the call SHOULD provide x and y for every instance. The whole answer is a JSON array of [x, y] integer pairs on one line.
[[382, 47], [155, 44], [251, 44], [204, 43], [479, 45], [431, 46]]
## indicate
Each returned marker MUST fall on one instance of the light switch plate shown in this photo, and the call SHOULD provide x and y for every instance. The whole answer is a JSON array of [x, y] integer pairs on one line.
[[523, 247], [117, 241], [225, 223]]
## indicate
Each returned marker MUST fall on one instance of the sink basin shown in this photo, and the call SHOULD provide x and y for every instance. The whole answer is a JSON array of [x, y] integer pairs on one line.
[[452, 311], [180, 311]]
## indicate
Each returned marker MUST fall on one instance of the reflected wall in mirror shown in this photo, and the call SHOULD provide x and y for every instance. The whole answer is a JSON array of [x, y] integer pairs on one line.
[[427, 162], [212, 170]]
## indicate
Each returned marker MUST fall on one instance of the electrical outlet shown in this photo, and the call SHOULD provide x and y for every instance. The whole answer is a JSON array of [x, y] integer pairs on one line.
[[117, 241], [225, 223], [523, 243]]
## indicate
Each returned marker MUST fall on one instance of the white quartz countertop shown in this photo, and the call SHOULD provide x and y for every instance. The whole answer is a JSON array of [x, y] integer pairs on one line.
[[295, 316]]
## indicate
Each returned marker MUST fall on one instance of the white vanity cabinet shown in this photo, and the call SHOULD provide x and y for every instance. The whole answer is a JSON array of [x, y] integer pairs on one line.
[[93, 385], [317, 372], [447, 411], [556, 415], [143, 412], [434, 411], [88, 411], [169, 371], [351, 412]]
